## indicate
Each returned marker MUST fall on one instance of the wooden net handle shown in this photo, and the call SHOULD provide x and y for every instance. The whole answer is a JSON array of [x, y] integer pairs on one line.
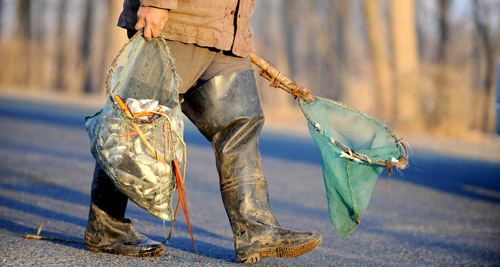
[[277, 79]]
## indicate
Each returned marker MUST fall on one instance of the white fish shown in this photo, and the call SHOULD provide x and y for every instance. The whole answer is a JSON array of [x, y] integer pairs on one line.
[[136, 190], [150, 178], [134, 105], [117, 150], [161, 168], [115, 160], [125, 176], [149, 104], [104, 153], [145, 159], [138, 146], [163, 206], [147, 173], [114, 127], [110, 141], [164, 109], [157, 198], [143, 118], [147, 191]]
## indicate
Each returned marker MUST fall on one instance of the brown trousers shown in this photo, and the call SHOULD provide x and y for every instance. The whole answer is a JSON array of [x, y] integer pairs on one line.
[[196, 64]]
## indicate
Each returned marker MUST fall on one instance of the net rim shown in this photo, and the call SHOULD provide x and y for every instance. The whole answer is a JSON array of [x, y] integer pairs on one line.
[[400, 163]]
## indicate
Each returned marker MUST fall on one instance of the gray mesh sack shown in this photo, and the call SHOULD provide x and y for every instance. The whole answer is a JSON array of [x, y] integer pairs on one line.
[[137, 136]]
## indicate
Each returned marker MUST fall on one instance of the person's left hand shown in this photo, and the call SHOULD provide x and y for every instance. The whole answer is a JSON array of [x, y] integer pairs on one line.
[[152, 19]]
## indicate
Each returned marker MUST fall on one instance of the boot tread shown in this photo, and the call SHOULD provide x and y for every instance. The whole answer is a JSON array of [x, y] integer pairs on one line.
[[287, 251]]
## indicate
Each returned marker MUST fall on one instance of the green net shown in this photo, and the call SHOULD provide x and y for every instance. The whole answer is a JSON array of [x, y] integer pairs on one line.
[[355, 148], [137, 136]]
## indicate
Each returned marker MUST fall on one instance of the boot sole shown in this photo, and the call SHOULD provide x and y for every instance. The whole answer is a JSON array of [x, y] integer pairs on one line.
[[281, 252], [154, 253]]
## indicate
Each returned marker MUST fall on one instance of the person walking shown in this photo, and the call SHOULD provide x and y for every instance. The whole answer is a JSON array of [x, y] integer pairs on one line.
[[210, 41]]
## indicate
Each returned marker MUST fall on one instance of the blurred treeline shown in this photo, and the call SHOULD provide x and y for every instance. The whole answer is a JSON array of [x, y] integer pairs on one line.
[[416, 64]]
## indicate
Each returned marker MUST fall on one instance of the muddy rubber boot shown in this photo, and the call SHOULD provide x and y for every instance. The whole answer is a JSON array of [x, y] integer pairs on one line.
[[227, 110], [107, 229]]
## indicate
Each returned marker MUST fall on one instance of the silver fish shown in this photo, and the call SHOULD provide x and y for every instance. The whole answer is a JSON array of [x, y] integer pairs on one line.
[[161, 168], [163, 206], [150, 178], [115, 160], [164, 109], [145, 159], [134, 105], [149, 104], [110, 141], [138, 146], [136, 190], [147, 191], [117, 150]]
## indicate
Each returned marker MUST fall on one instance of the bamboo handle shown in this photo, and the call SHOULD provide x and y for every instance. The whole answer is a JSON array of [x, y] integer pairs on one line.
[[279, 80]]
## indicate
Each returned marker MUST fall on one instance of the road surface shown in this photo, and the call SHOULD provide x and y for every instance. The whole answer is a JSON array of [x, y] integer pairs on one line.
[[443, 210]]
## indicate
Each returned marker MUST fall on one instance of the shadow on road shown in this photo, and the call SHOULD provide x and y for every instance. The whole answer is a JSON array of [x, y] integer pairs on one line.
[[465, 177], [205, 249]]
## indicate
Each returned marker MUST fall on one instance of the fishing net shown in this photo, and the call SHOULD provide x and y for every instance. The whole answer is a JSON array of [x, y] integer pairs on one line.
[[355, 148], [137, 136]]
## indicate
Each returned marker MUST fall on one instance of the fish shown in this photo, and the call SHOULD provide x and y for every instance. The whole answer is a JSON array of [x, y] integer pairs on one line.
[[117, 150], [126, 178], [134, 105], [115, 160], [150, 178], [110, 141], [163, 206], [136, 190], [138, 146], [114, 127], [164, 109], [104, 153], [161, 169], [149, 104], [145, 159], [158, 198], [147, 191]]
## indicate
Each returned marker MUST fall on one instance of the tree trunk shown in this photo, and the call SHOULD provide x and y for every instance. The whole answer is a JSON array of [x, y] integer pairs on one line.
[[406, 63], [487, 122], [60, 81], [87, 39], [113, 38], [22, 35], [1, 24], [441, 112], [377, 38]]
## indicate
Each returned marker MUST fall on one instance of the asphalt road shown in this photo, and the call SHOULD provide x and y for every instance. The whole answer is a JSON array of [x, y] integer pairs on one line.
[[443, 211]]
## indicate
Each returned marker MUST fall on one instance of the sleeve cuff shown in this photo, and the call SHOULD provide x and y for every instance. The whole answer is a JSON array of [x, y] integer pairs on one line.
[[164, 4]]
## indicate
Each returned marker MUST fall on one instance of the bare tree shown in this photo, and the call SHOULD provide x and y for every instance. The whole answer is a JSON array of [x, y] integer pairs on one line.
[[406, 62], [1, 16], [60, 83], [378, 41], [441, 110], [481, 16], [85, 49], [22, 35]]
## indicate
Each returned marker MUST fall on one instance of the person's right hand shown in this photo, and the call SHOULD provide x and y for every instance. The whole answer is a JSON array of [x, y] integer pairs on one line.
[[152, 19]]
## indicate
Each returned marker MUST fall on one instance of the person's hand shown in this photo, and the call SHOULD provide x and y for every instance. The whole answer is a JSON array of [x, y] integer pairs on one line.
[[152, 19]]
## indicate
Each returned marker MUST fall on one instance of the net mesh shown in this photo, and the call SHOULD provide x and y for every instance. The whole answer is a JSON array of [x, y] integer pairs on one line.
[[137, 141], [354, 148]]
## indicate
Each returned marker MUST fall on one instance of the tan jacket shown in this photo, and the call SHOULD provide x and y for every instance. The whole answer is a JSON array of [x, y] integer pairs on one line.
[[207, 23]]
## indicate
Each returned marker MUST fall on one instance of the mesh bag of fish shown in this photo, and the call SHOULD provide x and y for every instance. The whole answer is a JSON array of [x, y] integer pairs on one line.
[[137, 136]]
